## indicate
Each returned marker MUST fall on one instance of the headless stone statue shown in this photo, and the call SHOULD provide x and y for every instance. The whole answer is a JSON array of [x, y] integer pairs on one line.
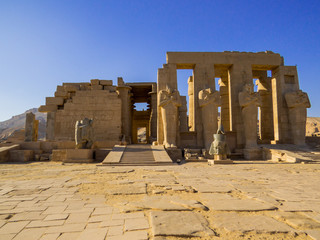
[[219, 146], [169, 103], [84, 134]]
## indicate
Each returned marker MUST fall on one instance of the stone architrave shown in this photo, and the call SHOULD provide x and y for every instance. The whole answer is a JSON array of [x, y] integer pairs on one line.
[[298, 102], [84, 133], [169, 103], [249, 102], [209, 100]]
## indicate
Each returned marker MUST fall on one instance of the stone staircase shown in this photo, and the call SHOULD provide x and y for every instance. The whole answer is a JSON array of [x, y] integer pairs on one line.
[[138, 155]]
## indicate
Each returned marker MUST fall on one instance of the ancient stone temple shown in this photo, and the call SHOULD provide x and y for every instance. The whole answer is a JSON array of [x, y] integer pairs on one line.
[[273, 112]]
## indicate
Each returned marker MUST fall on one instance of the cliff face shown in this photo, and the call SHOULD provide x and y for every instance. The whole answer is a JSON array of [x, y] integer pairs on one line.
[[313, 126], [14, 127]]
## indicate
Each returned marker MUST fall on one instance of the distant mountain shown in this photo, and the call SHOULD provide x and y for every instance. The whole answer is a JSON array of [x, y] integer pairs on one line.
[[15, 126], [313, 126]]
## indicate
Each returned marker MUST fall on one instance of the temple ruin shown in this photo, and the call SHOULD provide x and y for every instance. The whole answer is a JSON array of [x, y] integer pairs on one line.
[[273, 112]]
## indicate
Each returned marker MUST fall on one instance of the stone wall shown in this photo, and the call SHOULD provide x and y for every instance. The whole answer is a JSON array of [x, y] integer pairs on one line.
[[97, 100]]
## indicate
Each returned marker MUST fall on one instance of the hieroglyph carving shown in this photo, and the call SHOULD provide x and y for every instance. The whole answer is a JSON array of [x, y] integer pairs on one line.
[[169, 101], [249, 102], [84, 134], [209, 100]]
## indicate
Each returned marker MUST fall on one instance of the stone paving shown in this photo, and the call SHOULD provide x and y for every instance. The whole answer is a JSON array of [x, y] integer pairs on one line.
[[248, 200]]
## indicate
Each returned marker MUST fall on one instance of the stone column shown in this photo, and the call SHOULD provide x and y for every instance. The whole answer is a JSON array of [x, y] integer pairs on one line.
[[30, 131], [183, 118], [124, 93], [249, 102], [191, 104], [238, 75], [209, 101], [266, 113], [203, 77], [153, 115], [224, 94], [51, 118], [284, 80], [298, 102]]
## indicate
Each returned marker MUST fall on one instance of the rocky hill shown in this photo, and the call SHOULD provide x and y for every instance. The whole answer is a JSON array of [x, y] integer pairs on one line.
[[15, 125], [313, 126]]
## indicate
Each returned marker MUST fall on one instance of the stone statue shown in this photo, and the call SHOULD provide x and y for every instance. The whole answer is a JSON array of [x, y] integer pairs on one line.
[[249, 102], [209, 100], [169, 101], [298, 102], [84, 134], [219, 147]]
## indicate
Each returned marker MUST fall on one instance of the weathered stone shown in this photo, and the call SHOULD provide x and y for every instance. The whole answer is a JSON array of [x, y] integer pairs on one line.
[[239, 205], [246, 223], [186, 224]]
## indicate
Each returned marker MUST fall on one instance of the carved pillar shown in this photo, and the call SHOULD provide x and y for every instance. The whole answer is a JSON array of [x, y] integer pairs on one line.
[[266, 112], [249, 102], [209, 101], [31, 129], [51, 118], [183, 118], [191, 104], [298, 102], [124, 93], [238, 75], [203, 77], [153, 115], [224, 94]]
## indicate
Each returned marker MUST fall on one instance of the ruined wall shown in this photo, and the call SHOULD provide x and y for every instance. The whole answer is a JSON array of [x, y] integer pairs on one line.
[[97, 100]]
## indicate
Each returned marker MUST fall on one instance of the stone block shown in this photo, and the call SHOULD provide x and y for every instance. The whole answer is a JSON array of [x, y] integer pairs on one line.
[[63, 94], [30, 146], [214, 162], [54, 100], [48, 108], [95, 82], [78, 156], [96, 87], [71, 88], [110, 88], [58, 155], [5, 152], [252, 153], [21, 155], [106, 82]]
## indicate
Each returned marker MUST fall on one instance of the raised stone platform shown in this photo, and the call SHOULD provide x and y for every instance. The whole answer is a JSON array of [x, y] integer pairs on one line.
[[252, 153], [72, 155]]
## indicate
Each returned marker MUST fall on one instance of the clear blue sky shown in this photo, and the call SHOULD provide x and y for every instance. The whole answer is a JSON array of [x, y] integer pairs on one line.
[[46, 42]]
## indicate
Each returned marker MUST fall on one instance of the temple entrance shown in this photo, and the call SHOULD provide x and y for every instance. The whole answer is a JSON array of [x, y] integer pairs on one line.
[[143, 112]]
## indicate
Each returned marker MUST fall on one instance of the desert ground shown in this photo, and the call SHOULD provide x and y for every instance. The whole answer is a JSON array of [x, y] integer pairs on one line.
[[246, 200]]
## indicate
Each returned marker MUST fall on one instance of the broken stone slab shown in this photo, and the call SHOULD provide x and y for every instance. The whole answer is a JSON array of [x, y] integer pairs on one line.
[[211, 188], [129, 189], [164, 203], [261, 224], [182, 224], [239, 205]]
